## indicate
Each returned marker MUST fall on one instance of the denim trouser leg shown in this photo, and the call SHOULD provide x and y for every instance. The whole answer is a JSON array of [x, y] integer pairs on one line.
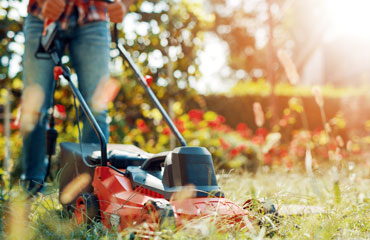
[[36, 71], [89, 50], [89, 53]]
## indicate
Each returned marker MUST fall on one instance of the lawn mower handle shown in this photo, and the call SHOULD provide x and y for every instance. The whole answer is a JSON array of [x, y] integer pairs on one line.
[[143, 83], [151, 94], [90, 117]]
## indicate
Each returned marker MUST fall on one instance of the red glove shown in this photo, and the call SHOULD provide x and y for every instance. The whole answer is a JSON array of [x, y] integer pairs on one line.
[[52, 9], [116, 11]]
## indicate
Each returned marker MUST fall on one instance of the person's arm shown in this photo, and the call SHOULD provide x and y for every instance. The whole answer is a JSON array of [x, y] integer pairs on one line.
[[118, 9]]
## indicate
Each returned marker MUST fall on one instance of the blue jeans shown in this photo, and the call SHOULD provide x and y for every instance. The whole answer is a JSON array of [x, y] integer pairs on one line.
[[88, 47]]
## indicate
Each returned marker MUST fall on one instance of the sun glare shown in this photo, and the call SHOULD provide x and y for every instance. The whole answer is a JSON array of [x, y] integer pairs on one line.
[[350, 17]]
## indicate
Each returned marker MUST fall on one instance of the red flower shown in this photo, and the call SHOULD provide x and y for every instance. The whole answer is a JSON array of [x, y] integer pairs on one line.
[[141, 125], [262, 132], [332, 145], [234, 152], [180, 125], [243, 130], [195, 115], [283, 153], [241, 127], [217, 124], [220, 119], [224, 144], [14, 125], [214, 124], [268, 159], [166, 131]]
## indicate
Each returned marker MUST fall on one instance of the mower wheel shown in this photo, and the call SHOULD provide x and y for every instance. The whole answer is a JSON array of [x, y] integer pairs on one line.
[[87, 208], [158, 215]]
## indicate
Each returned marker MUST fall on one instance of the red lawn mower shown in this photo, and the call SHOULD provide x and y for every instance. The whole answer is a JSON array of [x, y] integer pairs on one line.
[[130, 186]]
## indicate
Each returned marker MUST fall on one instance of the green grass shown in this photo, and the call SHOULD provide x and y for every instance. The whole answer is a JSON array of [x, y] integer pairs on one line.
[[342, 202]]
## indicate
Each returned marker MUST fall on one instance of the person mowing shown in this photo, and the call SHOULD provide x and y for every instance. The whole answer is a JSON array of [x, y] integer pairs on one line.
[[85, 32]]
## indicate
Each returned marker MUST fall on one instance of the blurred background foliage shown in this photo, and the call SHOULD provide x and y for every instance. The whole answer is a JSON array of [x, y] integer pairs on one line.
[[166, 38]]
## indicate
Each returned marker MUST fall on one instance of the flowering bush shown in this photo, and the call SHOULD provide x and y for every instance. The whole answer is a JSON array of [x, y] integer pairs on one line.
[[231, 148], [241, 147]]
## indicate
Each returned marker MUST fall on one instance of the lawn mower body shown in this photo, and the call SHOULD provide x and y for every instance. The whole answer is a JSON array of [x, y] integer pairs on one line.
[[179, 185]]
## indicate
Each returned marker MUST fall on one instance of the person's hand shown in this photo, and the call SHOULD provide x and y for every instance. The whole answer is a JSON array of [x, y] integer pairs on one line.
[[116, 11], [52, 9]]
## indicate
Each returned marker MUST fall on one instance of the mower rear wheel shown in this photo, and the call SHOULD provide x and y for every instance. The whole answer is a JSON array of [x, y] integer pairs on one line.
[[158, 215], [87, 208]]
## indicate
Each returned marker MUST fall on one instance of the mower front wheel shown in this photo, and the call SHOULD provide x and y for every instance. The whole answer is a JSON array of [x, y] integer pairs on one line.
[[87, 208]]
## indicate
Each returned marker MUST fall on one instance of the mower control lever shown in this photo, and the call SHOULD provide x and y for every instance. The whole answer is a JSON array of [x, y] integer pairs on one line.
[[48, 47], [50, 33]]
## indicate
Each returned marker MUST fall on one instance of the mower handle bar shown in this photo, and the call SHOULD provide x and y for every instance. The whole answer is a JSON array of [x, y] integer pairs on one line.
[[90, 117], [151, 94], [143, 83]]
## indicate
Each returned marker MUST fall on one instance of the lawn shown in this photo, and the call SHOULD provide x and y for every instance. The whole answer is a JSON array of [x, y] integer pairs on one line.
[[328, 205]]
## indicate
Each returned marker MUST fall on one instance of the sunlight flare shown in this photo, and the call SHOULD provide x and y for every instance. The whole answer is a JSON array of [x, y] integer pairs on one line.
[[349, 17]]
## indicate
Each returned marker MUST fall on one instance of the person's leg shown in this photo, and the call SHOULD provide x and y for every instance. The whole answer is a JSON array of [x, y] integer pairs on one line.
[[89, 51], [40, 72]]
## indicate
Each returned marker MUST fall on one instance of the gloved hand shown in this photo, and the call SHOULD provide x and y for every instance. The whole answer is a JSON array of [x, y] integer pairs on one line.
[[116, 11], [52, 9]]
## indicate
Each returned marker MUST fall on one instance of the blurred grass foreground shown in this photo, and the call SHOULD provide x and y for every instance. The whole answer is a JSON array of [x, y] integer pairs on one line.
[[276, 90], [309, 208]]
